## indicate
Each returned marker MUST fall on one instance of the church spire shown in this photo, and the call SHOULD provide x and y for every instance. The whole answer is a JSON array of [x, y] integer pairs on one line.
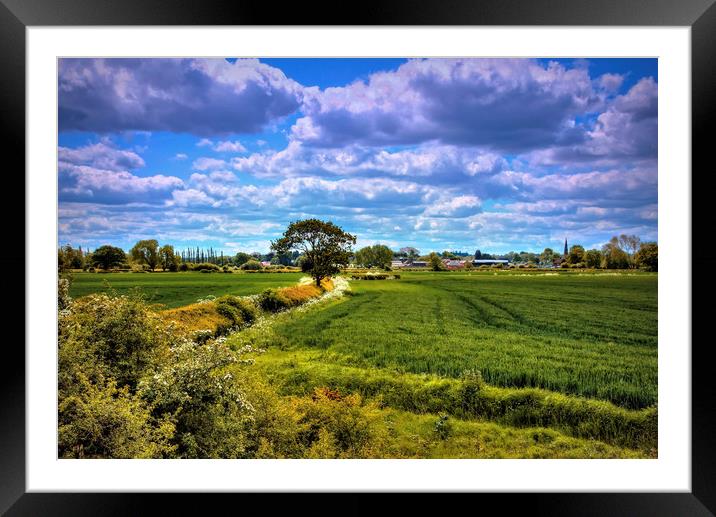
[[565, 247]]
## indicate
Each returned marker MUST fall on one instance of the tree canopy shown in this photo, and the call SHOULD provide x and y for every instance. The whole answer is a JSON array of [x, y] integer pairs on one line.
[[108, 256], [146, 252], [648, 256], [324, 245], [378, 255]]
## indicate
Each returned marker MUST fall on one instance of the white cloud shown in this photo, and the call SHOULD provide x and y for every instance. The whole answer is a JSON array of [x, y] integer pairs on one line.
[[229, 147], [204, 163], [102, 155]]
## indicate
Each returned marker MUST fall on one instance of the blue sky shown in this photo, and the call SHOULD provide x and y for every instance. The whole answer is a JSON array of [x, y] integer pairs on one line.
[[456, 154]]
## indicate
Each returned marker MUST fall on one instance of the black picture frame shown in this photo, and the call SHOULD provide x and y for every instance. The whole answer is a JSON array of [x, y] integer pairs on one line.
[[699, 15]]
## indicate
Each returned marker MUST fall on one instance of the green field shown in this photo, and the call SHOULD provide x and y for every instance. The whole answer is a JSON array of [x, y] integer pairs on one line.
[[588, 335], [177, 289], [569, 359]]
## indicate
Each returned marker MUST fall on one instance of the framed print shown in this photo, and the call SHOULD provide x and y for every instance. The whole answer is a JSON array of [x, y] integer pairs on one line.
[[412, 251]]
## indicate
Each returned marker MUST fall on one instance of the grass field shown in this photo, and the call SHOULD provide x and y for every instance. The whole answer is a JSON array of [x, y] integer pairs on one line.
[[593, 335], [177, 289], [569, 359]]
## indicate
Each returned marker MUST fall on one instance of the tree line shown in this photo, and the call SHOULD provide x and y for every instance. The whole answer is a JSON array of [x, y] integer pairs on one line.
[[621, 252], [149, 254]]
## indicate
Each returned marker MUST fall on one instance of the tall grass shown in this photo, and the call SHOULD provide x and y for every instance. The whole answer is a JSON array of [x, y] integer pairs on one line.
[[530, 407], [593, 336]]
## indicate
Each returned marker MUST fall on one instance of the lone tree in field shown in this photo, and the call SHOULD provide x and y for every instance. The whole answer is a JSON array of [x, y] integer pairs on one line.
[[324, 245]]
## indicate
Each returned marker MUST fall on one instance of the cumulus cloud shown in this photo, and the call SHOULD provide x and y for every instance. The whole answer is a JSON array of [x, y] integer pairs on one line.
[[102, 155], [229, 147], [439, 154], [204, 163], [627, 129], [509, 104], [222, 146], [611, 82], [100, 173], [459, 206], [633, 186], [442, 163], [190, 197], [198, 96], [85, 183]]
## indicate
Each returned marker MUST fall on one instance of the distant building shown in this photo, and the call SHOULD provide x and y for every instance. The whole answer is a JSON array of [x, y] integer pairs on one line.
[[490, 262], [454, 264], [396, 264], [417, 263]]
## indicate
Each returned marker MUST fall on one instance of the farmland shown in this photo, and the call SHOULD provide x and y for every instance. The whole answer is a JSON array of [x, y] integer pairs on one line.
[[591, 335], [177, 289], [521, 364]]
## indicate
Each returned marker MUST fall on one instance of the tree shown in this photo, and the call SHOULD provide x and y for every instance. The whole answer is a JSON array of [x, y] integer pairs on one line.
[[593, 258], [436, 262], [378, 255], [251, 265], [547, 256], [648, 256], [108, 256], [613, 257], [410, 252], [478, 254], [630, 244], [575, 255], [242, 258], [146, 252], [326, 246], [168, 259], [70, 258]]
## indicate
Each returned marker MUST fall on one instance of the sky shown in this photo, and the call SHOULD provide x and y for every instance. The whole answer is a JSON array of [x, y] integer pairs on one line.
[[438, 154]]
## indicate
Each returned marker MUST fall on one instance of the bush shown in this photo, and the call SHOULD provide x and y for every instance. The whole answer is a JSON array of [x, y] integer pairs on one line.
[[183, 266], [443, 427], [246, 310], [206, 403], [230, 313], [99, 420], [63, 293], [251, 265], [206, 266], [299, 294], [119, 337], [271, 300], [338, 426], [374, 276], [202, 316]]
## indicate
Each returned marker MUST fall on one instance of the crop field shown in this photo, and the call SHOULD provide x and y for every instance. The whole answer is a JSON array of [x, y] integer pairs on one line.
[[565, 362], [593, 336], [178, 289]]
